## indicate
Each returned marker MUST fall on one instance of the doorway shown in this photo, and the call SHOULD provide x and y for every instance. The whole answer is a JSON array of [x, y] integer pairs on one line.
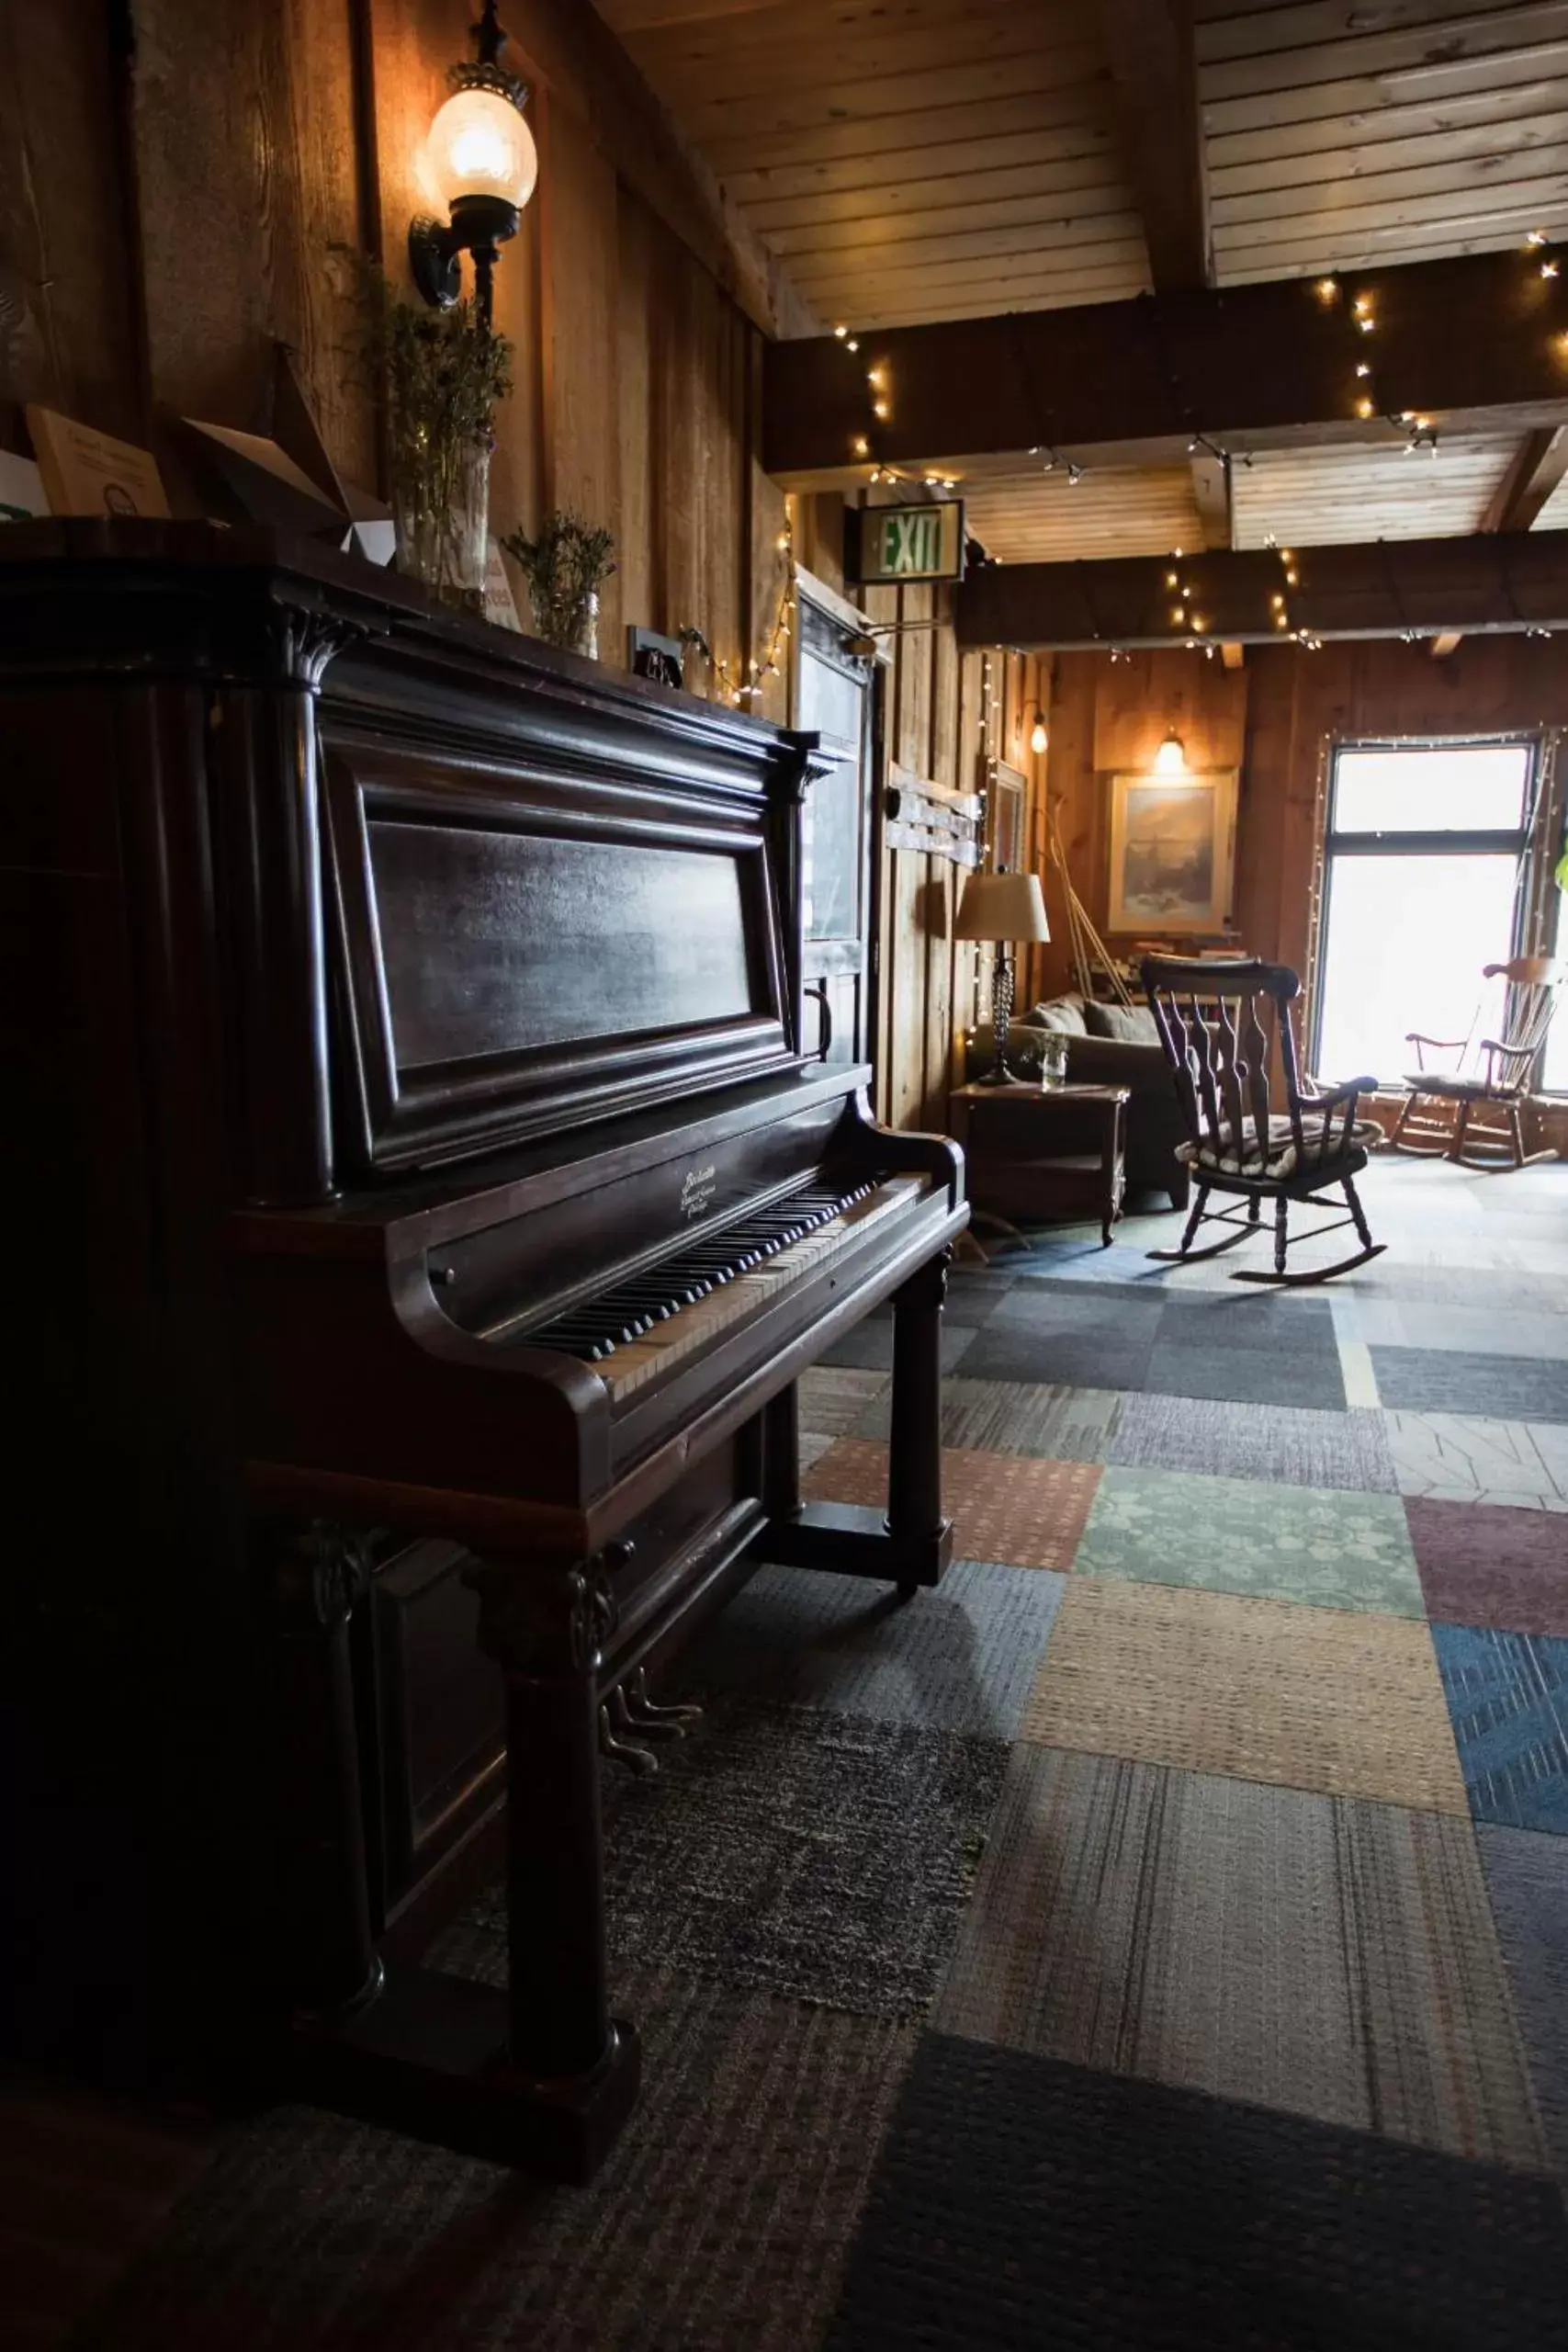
[[835, 697]]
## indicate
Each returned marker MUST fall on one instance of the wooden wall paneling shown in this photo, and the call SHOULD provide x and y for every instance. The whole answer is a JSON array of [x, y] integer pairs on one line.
[[579, 233], [245, 160], [909, 894], [70, 337], [639, 517], [1075, 802]]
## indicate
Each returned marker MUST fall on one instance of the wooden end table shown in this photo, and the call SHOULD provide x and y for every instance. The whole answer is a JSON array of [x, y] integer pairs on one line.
[[1032, 1149]]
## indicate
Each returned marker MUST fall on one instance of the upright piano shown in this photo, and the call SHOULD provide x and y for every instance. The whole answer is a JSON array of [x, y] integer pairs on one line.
[[423, 1206]]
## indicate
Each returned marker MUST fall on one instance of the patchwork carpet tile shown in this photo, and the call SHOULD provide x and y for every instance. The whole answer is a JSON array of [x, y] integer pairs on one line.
[[1240, 1316], [1347, 1704], [1016, 1417], [972, 1292], [870, 1345], [1332, 1958], [1311, 1380], [1068, 1358], [722, 2218], [1510, 1329], [1020, 2204], [960, 1659], [823, 1858], [1528, 1886], [1454, 1380], [833, 1396], [1484, 1565], [1469, 1458], [1315, 1544], [813, 1446], [1026, 1514], [1508, 1696], [1280, 1443], [1052, 1309]]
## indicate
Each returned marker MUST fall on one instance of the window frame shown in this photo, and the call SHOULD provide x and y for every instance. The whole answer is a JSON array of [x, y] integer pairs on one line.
[[1472, 841]]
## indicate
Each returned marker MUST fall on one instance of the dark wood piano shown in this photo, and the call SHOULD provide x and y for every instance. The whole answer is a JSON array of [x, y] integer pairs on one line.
[[421, 1209]]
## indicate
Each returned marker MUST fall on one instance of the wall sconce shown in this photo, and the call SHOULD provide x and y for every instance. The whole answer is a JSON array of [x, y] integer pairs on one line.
[[1170, 760], [480, 162], [1038, 738]]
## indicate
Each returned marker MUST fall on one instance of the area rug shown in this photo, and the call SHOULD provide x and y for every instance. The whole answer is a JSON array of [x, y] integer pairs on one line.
[[1341, 1704], [1333, 1958], [1022, 2203]]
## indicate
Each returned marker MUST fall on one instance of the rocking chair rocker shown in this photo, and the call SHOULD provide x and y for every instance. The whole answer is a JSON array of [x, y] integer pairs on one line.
[[1219, 1024], [1481, 1103]]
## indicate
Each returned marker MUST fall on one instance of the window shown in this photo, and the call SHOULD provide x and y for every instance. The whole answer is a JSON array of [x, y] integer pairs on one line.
[[1421, 888]]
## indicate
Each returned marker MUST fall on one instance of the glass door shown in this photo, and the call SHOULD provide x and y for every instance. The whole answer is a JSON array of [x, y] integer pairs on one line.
[[833, 694]]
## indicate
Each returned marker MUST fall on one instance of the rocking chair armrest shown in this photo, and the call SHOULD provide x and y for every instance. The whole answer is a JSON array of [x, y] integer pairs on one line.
[[1448, 1044], [1321, 1095]]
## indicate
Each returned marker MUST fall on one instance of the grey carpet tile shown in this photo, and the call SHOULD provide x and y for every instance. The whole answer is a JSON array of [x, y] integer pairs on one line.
[[722, 2218], [1455, 1380], [1526, 1876], [782, 1850], [1055, 1424], [1077, 1359], [1283, 1444], [1025, 2206], [1312, 1379], [833, 1396], [870, 1345], [1064, 1286], [814, 1444], [960, 1659], [1333, 1958], [1076, 1306], [973, 1297], [1494, 1330], [1242, 1316], [1458, 1458]]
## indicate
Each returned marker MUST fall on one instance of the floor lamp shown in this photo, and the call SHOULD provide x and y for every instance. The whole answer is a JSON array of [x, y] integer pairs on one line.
[[1001, 908]]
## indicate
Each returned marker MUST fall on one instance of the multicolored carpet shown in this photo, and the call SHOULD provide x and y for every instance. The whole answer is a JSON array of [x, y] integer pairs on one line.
[[1156, 1936]]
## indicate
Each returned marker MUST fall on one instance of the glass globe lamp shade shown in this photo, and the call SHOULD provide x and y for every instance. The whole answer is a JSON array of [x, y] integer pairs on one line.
[[1170, 760], [1038, 739], [479, 145]]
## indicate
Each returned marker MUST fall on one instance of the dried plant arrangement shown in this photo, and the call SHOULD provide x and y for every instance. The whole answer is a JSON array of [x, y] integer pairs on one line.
[[565, 568]]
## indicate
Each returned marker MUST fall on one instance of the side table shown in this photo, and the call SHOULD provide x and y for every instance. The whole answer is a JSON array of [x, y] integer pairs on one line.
[[1033, 1150]]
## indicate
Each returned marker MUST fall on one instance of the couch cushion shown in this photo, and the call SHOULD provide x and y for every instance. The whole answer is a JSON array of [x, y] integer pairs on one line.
[[1282, 1157], [1130, 1024], [1064, 1014]]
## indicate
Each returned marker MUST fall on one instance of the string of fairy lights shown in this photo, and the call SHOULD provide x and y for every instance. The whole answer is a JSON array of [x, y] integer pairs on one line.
[[1188, 623], [745, 693]]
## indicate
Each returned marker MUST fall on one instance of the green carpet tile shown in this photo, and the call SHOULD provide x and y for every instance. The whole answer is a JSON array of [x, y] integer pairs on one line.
[[1324, 1546], [1335, 1959]]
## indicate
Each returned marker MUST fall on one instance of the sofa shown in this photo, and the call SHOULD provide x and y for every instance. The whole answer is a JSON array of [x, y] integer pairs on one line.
[[1107, 1044]]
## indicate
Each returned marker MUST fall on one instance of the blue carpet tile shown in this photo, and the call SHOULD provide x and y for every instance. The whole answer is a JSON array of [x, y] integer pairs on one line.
[[1526, 1877], [1023, 2205], [1508, 1697], [962, 1659], [1448, 1380]]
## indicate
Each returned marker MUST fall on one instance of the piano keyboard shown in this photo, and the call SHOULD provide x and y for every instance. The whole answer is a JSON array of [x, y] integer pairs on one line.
[[642, 1328]]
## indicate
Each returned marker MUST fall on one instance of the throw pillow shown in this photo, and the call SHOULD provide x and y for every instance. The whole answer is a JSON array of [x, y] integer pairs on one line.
[[1130, 1024], [1064, 1014]]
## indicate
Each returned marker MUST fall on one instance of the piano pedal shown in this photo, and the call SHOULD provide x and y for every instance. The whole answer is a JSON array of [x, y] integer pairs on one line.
[[673, 1723], [613, 1720]]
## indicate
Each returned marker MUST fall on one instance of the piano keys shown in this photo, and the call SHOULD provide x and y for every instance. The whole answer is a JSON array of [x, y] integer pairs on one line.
[[471, 1212]]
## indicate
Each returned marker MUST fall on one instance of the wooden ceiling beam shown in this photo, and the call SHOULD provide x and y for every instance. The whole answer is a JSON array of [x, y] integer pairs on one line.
[[1482, 330], [1538, 464], [1211, 496], [1153, 73], [1491, 584]]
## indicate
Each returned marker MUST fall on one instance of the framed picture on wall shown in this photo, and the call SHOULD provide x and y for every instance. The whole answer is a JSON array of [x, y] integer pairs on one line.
[[1006, 792], [1172, 851]]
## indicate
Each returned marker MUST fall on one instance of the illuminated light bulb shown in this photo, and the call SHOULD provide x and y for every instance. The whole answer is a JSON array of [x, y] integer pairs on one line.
[[840, 333], [1290, 579], [478, 144], [1277, 601], [1327, 289], [1281, 620], [1363, 407], [1178, 553], [876, 377], [1366, 325], [1199, 622], [1549, 269], [853, 343], [1038, 739], [1178, 613], [1363, 368], [880, 409], [861, 446], [782, 543], [1363, 303], [1536, 237], [1170, 579], [1171, 757]]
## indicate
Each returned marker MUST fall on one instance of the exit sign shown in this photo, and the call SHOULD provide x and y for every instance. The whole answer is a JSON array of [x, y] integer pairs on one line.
[[898, 543]]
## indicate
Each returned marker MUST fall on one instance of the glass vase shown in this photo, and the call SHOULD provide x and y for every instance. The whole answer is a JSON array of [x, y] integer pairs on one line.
[[441, 513], [566, 620]]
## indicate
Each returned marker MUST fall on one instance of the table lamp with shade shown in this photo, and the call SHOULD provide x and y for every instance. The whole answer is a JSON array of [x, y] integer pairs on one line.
[[1001, 908]]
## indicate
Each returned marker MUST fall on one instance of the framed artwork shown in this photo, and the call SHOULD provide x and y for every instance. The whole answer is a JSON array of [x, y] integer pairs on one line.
[[1006, 792], [1172, 851]]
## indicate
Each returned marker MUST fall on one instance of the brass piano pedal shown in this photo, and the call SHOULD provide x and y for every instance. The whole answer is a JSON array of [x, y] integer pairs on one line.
[[673, 1723], [613, 1718]]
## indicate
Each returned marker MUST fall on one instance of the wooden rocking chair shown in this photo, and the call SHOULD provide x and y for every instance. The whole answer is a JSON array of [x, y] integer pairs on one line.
[[1479, 1100], [1219, 1024]]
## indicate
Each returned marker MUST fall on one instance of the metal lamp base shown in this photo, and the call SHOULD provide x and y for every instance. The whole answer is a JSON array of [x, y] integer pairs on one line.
[[1001, 1020]]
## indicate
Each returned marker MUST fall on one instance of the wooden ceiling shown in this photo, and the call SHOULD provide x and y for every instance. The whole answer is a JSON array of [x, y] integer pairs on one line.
[[915, 160]]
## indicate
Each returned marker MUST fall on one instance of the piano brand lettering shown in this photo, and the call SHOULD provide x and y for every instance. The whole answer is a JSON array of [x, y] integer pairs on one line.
[[697, 1189]]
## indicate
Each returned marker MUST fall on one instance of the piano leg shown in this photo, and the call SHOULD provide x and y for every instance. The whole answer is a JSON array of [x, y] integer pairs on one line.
[[912, 1543], [539, 2075]]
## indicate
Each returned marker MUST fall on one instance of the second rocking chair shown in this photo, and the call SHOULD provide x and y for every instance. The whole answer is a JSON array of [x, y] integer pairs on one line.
[[1220, 1024]]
